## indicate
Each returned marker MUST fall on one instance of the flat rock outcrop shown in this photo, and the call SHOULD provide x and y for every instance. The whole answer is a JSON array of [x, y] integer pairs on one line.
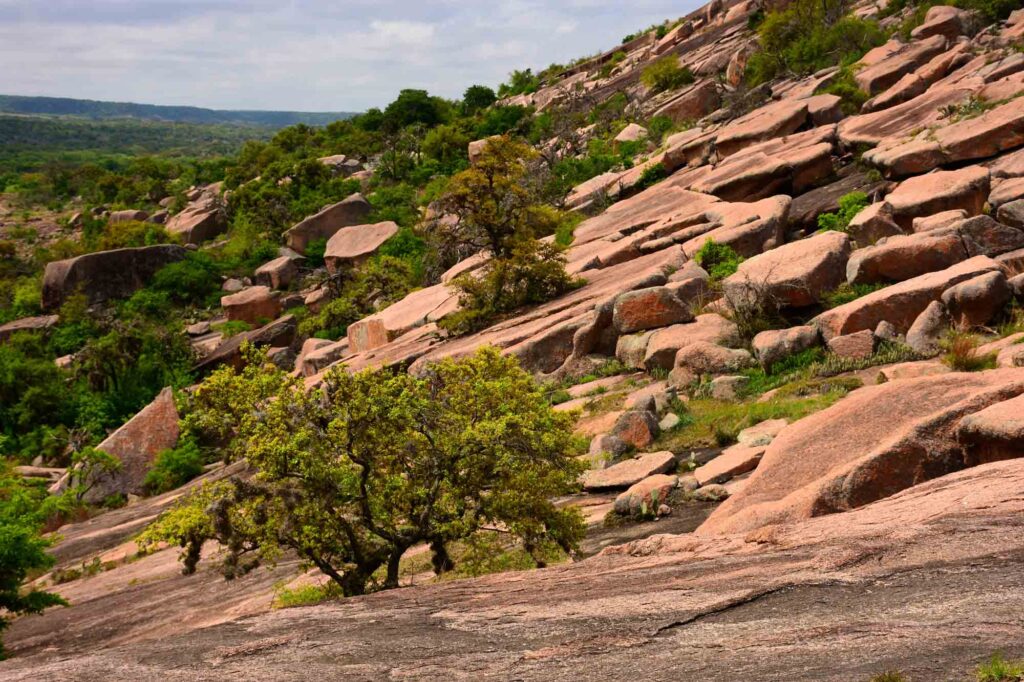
[[352, 245]]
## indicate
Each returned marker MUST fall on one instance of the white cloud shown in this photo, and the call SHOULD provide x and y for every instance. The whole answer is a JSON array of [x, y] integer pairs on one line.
[[300, 55]]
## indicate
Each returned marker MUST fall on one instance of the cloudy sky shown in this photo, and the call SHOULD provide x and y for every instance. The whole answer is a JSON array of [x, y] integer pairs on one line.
[[308, 55]]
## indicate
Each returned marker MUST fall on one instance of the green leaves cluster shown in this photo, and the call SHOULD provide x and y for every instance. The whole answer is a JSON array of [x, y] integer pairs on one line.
[[849, 206], [351, 476]]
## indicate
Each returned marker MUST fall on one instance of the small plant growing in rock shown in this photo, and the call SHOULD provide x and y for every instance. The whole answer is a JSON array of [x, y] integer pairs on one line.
[[720, 260], [849, 206], [962, 355], [666, 74], [890, 676]]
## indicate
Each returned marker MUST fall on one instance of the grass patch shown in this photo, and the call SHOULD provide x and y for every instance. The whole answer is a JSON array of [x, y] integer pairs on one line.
[[305, 595], [711, 423], [888, 353], [847, 293], [792, 368], [998, 669], [890, 676], [232, 328], [962, 354]]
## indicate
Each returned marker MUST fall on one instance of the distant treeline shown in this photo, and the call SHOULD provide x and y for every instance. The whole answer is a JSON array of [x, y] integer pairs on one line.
[[63, 106]]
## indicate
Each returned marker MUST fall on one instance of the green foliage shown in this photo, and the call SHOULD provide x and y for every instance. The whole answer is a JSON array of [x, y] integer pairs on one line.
[[23, 511], [130, 234], [961, 353], [887, 353], [190, 281], [666, 74], [998, 669], [849, 206], [174, 468], [501, 120], [380, 281], [353, 475], [720, 260], [448, 146], [808, 36], [478, 97], [843, 85], [891, 676], [305, 595], [651, 176], [520, 83], [847, 293]]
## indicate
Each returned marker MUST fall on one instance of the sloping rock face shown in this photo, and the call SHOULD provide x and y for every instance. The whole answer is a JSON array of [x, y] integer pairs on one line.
[[938, 559], [323, 225], [876, 442], [32, 324], [105, 275], [136, 445]]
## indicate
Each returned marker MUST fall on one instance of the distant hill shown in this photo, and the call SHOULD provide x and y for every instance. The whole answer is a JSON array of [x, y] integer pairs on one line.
[[85, 108]]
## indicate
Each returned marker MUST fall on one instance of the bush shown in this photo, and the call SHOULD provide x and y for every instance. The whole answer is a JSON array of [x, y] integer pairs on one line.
[[998, 669], [852, 98], [809, 36], [354, 474], [720, 260], [190, 281], [849, 206], [131, 234], [666, 74], [174, 468], [379, 282]]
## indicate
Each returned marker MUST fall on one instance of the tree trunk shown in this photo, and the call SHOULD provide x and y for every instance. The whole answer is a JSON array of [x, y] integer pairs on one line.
[[441, 560], [393, 564]]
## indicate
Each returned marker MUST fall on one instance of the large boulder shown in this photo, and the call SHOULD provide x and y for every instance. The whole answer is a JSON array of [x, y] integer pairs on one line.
[[278, 334], [773, 346], [793, 275], [901, 60], [324, 224], [199, 223], [995, 433], [127, 216], [872, 444], [1012, 214], [105, 275], [136, 445], [737, 460], [923, 195], [899, 304], [629, 472], [663, 344], [925, 334], [28, 324], [649, 308], [353, 245], [942, 20], [254, 305], [702, 358], [278, 273], [646, 496], [903, 257], [978, 300]]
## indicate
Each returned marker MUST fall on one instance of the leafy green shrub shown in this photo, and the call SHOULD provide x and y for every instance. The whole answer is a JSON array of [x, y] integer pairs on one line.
[[658, 127], [522, 82], [849, 206], [174, 468], [305, 595], [500, 120], [891, 676], [315, 251], [651, 176], [190, 281], [843, 86], [720, 260], [131, 234], [382, 280], [809, 36], [666, 74]]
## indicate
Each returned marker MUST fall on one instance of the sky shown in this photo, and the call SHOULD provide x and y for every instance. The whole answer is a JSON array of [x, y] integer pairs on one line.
[[309, 55]]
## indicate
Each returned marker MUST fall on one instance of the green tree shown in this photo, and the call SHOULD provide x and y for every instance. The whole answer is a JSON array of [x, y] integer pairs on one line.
[[447, 145], [23, 508], [478, 97], [351, 476], [666, 74]]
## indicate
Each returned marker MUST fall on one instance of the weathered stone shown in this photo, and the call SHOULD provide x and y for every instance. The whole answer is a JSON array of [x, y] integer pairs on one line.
[[737, 460], [254, 305], [772, 346], [926, 333], [646, 496], [728, 387], [976, 301], [28, 324], [856, 346], [634, 132], [1012, 214], [278, 273], [324, 224], [648, 309], [118, 217], [662, 346], [900, 304], [198, 224], [873, 443], [629, 472], [669, 422], [105, 275], [367, 334], [993, 434], [279, 333], [873, 223], [901, 60], [793, 275], [712, 492], [1017, 286], [606, 445], [983, 236], [938, 221], [636, 428], [903, 257], [762, 433], [136, 445], [631, 349], [707, 358], [925, 195], [353, 245]]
